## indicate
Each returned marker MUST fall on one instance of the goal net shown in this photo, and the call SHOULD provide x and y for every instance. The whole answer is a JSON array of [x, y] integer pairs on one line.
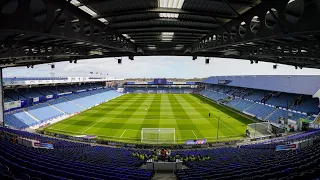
[[158, 136], [258, 130]]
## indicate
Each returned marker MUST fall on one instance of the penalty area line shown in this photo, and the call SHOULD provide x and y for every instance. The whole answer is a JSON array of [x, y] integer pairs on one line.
[[92, 125], [194, 134], [123, 133]]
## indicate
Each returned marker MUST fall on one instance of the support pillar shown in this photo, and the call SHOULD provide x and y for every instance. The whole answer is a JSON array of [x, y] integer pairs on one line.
[[1, 99]]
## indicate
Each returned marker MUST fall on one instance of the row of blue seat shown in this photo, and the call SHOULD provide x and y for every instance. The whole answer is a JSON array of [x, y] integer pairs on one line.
[[70, 104]]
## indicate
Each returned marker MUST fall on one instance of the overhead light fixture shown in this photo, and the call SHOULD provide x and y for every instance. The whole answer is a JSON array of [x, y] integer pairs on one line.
[[152, 47], [103, 20], [75, 61], [169, 15], [167, 36], [171, 3], [251, 61], [89, 11], [178, 47], [176, 4], [194, 57], [256, 61], [126, 36], [275, 66]]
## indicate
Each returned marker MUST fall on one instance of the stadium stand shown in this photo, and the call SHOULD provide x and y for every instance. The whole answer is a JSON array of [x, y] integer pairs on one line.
[[13, 95], [19, 120], [256, 95], [260, 111], [66, 106], [243, 104], [68, 160], [282, 99], [261, 162], [308, 105], [73, 160], [45, 109], [266, 97], [158, 90], [44, 112], [213, 95]]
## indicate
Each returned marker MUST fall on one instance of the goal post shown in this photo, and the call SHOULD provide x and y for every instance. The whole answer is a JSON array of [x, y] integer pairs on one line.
[[258, 130], [158, 135]]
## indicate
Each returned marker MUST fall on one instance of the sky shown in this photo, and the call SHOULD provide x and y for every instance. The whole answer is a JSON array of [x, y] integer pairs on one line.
[[157, 67]]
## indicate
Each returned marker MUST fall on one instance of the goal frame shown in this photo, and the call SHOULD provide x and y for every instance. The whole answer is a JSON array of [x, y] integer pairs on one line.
[[158, 129], [256, 130]]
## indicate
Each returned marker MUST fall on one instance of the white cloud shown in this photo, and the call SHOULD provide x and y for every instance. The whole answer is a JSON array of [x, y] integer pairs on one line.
[[159, 66]]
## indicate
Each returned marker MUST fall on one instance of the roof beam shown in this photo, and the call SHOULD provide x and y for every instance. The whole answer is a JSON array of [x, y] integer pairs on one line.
[[142, 34], [230, 6], [78, 12], [159, 36], [92, 2], [162, 29], [164, 25], [148, 19], [164, 10]]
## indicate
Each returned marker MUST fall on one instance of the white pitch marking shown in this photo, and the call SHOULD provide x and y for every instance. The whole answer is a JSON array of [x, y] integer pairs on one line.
[[92, 125], [123, 133], [194, 134], [229, 128]]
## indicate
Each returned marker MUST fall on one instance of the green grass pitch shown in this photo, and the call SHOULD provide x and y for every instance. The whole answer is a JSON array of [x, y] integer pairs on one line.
[[122, 119]]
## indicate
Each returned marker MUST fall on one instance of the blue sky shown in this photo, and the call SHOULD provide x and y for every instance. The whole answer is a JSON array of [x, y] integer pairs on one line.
[[158, 66]]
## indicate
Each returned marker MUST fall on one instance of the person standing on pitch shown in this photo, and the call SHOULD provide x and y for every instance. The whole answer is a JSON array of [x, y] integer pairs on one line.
[[209, 114]]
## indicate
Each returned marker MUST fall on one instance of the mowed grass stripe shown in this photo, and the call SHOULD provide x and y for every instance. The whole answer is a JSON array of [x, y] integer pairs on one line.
[[116, 124], [131, 127], [104, 127], [209, 130], [184, 122], [231, 119], [82, 121], [152, 118], [191, 113], [167, 111]]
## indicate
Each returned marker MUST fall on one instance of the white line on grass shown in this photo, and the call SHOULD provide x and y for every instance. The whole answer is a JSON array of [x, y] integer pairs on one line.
[[229, 128], [194, 134], [92, 125], [123, 133]]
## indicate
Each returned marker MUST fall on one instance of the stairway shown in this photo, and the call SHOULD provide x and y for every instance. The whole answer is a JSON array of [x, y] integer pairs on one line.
[[275, 109], [36, 119], [249, 107], [73, 102], [57, 108]]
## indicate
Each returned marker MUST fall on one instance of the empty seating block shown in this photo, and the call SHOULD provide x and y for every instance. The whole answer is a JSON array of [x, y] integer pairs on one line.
[[19, 120], [44, 112], [66, 106], [260, 111]]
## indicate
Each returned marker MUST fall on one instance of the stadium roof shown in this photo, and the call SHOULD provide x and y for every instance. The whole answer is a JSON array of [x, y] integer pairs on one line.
[[307, 85], [44, 31]]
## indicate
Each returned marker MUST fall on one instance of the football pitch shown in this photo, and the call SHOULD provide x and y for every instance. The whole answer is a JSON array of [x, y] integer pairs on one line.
[[123, 118]]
